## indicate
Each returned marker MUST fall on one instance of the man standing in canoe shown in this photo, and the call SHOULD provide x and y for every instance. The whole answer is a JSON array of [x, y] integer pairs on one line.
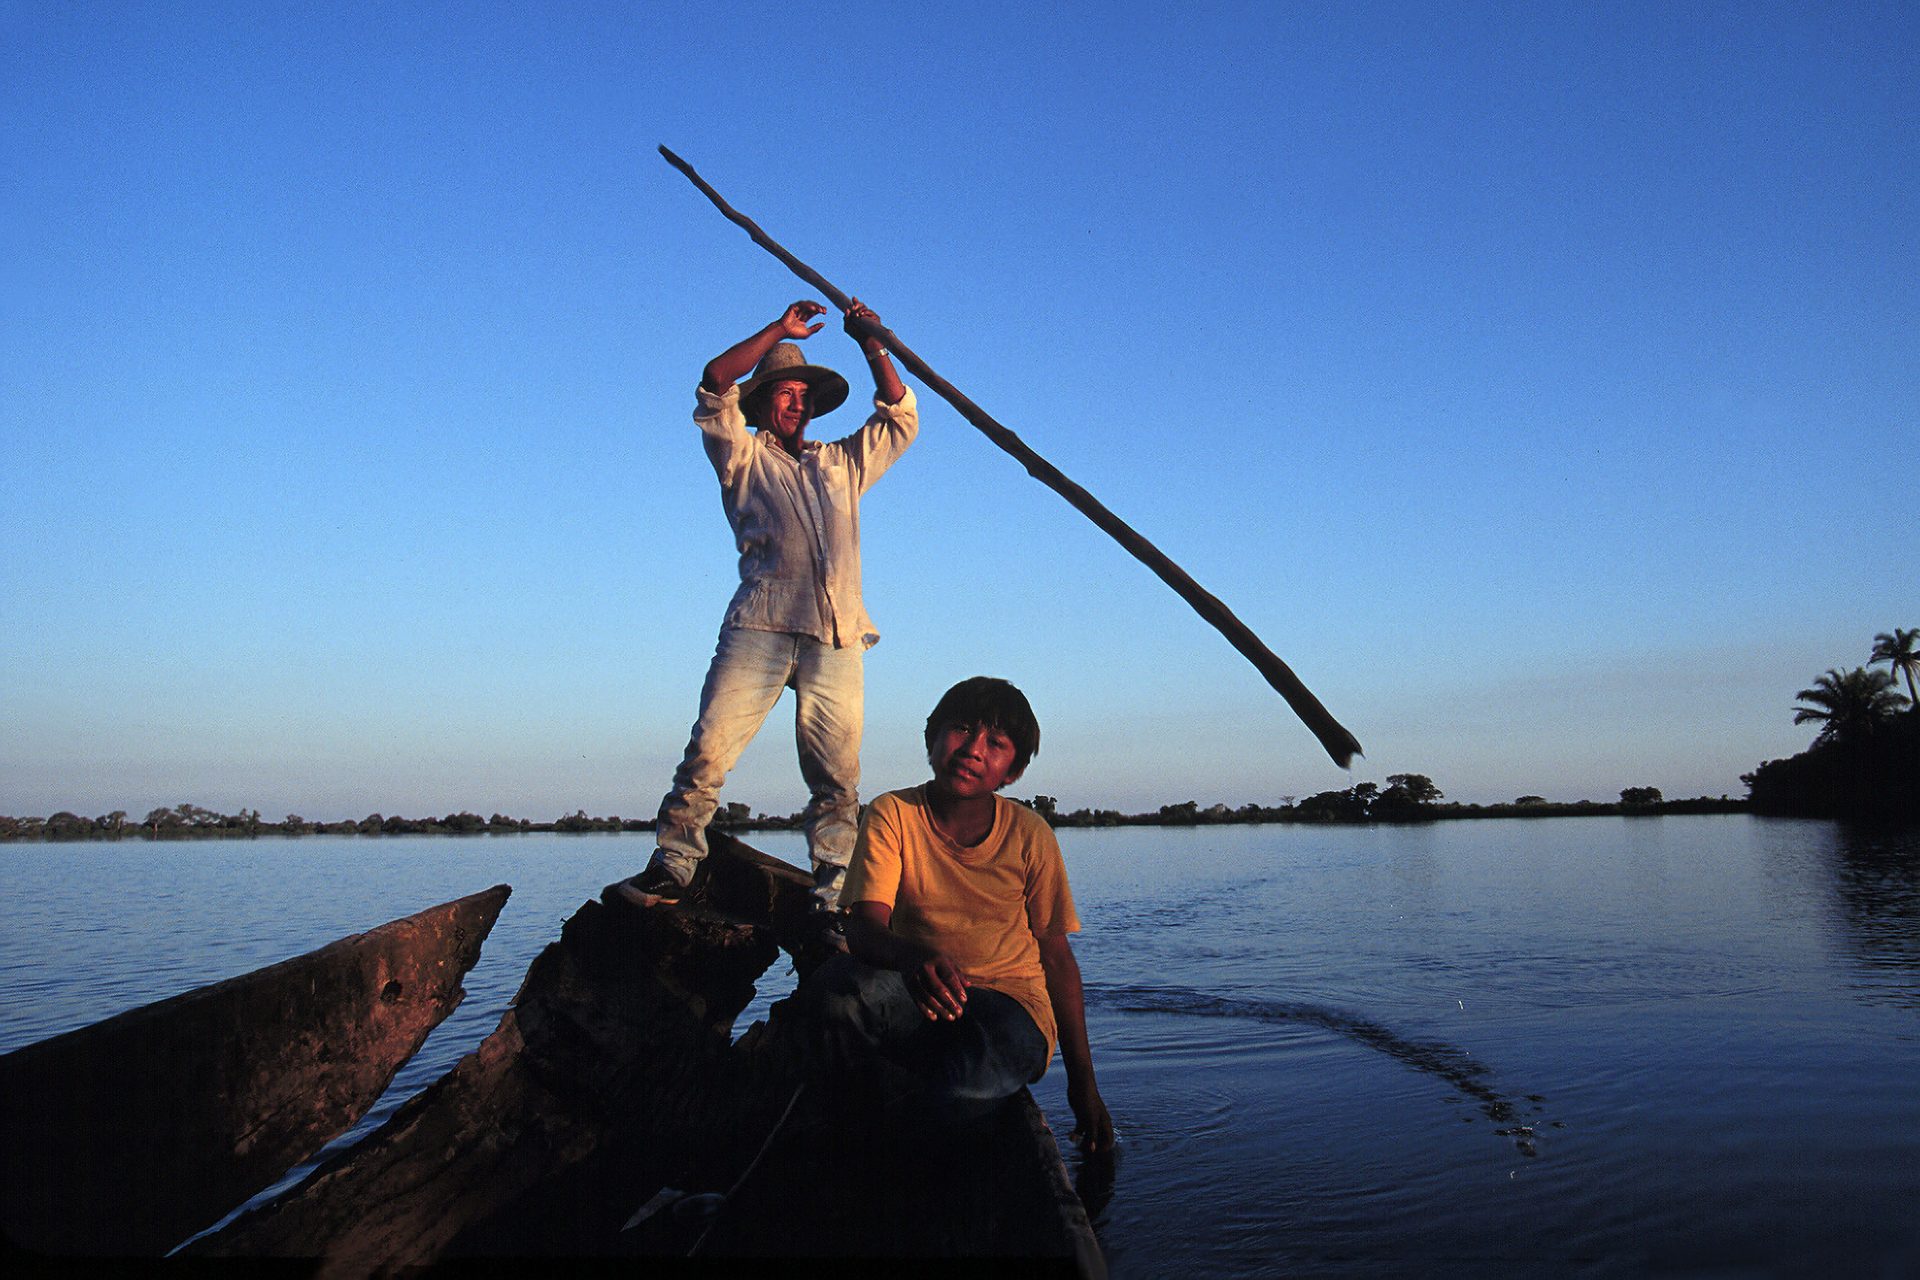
[[796, 620]]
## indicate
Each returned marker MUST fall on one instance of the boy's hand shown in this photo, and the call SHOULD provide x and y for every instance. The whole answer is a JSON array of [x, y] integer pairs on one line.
[[794, 322], [1092, 1125], [938, 987]]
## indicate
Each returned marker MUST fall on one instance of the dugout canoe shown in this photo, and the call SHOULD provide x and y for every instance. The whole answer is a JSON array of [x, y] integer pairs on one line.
[[829, 1184], [613, 1114], [126, 1137]]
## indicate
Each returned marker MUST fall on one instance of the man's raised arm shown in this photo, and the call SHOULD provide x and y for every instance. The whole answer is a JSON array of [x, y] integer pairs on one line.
[[863, 327], [738, 360]]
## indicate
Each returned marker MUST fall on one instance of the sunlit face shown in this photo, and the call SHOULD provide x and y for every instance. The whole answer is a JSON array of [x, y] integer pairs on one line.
[[785, 408], [971, 760]]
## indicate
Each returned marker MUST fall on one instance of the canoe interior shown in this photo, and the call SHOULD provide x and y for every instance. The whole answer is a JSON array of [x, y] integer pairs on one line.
[[837, 1182]]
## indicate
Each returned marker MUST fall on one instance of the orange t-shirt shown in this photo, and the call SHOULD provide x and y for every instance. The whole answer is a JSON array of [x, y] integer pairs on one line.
[[986, 906]]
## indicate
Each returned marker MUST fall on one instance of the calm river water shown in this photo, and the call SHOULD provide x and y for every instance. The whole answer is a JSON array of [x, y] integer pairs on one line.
[[1579, 1046]]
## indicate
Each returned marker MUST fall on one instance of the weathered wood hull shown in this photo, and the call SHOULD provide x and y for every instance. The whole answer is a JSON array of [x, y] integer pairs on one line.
[[613, 1076], [611, 1071], [128, 1136]]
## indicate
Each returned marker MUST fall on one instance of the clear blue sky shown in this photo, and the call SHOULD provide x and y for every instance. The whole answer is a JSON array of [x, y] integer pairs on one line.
[[1539, 380]]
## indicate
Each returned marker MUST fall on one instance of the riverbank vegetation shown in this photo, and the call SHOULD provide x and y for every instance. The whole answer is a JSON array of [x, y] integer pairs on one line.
[[1408, 797], [1864, 761]]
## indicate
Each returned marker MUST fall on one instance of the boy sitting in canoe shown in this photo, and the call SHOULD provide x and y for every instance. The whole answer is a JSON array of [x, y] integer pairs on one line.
[[958, 916]]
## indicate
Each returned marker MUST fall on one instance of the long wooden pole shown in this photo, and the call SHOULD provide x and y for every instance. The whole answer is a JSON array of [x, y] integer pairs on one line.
[[1340, 744]]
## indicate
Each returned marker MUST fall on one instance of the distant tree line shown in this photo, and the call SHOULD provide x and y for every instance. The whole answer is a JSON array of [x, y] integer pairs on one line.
[[192, 822], [1408, 797], [1864, 761]]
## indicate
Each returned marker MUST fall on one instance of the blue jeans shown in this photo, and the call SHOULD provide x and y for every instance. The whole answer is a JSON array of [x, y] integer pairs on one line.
[[985, 1055], [748, 671]]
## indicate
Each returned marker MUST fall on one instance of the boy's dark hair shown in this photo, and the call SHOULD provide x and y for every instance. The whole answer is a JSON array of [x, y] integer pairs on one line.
[[995, 703]]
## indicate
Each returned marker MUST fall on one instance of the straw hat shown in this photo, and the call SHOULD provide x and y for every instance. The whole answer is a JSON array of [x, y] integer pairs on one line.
[[827, 389]]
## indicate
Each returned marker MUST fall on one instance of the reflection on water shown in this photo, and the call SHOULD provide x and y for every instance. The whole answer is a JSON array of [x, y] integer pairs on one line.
[[1876, 879]]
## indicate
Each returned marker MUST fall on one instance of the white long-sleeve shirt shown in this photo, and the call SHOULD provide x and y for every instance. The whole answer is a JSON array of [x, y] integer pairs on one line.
[[797, 520]]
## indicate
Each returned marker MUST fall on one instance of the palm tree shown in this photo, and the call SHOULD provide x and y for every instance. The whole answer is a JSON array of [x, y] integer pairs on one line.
[[1847, 704], [1898, 650]]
